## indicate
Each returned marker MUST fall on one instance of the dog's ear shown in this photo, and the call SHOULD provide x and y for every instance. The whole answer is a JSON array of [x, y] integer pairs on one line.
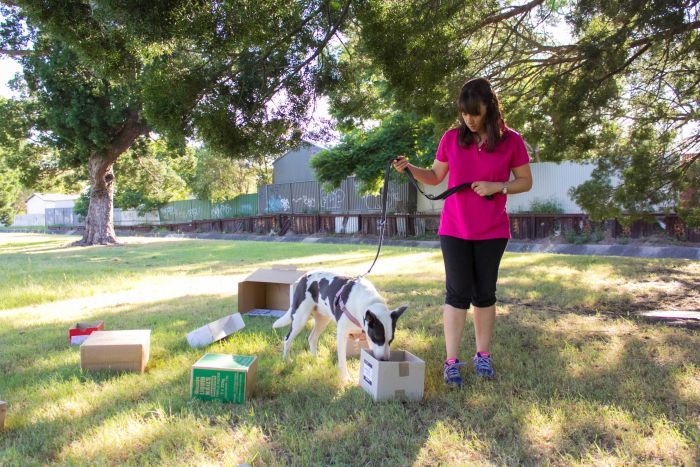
[[370, 318], [395, 314]]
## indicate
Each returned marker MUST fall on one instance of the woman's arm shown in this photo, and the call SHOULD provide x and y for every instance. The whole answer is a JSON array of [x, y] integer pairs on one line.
[[432, 176], [520, 184]]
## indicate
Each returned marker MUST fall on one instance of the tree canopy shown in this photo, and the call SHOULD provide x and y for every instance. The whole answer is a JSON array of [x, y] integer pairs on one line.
[[618, 93], [238, 76]]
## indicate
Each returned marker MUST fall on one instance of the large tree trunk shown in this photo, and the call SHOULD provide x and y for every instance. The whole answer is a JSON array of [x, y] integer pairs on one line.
[[99, 224]]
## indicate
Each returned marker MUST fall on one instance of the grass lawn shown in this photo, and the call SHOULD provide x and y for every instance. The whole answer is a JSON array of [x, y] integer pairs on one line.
[[580, 380]]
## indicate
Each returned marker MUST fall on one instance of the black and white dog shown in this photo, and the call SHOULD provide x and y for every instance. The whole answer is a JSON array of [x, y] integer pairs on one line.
[[354, 304]]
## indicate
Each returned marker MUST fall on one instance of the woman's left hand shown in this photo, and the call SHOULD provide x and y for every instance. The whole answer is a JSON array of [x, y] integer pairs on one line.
[[487, 188]]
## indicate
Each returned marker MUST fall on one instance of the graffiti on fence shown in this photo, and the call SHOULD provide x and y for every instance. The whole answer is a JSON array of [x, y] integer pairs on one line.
[[277, 204], [374, 202], [193, 213], [220, 211], [304, 202], [333, 201]]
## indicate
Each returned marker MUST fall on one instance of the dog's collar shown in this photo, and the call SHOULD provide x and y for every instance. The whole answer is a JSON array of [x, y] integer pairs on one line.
[[340, 305]]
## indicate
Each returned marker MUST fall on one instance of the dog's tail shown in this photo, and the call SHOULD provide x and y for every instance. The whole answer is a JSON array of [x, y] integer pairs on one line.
[[285, 320]]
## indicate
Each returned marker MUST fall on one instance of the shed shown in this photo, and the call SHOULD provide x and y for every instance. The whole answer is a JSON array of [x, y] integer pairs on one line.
[[294, 166], [40, 202]]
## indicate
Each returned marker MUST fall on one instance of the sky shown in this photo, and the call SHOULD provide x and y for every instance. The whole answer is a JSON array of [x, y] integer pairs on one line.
[[8, 69]]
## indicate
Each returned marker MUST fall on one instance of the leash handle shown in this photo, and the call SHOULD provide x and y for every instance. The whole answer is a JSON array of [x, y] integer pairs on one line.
[[442, 195]]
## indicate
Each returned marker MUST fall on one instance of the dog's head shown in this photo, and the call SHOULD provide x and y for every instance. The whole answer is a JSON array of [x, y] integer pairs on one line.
[[380, 326]]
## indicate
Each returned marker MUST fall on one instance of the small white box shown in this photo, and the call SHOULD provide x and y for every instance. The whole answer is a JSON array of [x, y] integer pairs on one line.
[[401, 377], [215, 331]]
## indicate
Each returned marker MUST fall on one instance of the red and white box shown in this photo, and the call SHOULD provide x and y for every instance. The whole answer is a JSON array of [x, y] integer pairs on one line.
[[80, 331]]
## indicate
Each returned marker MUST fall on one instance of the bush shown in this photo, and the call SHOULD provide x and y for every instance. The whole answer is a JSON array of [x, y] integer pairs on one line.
[[578, 238], [550, 206]]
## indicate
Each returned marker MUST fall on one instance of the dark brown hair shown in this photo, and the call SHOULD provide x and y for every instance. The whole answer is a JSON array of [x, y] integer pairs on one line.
[[474, 92]]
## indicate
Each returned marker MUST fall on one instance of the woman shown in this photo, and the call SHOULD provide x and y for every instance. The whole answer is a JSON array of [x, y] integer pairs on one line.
[[474, 230]]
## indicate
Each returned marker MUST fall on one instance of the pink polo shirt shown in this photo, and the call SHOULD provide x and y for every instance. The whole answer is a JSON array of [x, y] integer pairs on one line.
[[465, 214]]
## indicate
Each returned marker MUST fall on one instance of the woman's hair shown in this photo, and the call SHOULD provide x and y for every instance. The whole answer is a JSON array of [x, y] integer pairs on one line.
[[474, 92]]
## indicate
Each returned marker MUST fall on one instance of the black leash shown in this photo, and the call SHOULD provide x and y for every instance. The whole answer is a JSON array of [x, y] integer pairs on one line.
[[385, 192], [382, 220], [442, 195]]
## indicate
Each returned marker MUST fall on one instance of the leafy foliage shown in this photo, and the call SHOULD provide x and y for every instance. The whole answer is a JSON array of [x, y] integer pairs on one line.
[[217, 178], [365, 153], [627, 73]]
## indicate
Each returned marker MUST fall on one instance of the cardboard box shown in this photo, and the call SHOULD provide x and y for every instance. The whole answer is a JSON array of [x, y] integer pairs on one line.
[[3, 412], [80, 331], [228, 378], [355, 344], [116, 350], [215, 330], [269, 289], [401, 377]]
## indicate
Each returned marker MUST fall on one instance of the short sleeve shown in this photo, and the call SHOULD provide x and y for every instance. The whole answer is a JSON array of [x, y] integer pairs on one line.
[[441, 153], [520, 155]]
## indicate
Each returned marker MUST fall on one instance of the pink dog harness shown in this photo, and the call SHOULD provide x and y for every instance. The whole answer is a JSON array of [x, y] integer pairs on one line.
[[340, 305]]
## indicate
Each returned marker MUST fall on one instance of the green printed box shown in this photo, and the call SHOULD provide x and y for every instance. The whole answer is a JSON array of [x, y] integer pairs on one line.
[[228, 378]]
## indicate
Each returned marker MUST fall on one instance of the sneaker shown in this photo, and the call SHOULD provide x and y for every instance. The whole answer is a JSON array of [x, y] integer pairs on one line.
[[451, 373], [482, 365]]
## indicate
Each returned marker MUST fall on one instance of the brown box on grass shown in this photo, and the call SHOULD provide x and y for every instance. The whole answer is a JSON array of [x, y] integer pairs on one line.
[[116, 350], [3, 412], [268, 289], [401, 377]]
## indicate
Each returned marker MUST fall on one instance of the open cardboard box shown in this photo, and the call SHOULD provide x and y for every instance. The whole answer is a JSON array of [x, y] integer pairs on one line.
[[268, 289], [401, 377]]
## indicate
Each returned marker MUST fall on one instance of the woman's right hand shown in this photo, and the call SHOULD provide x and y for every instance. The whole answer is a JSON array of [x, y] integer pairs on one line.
[[400, 163]]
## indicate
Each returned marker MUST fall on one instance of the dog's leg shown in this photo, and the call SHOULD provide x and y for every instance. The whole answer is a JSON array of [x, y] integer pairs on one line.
[[320, 323], [301, 316], [341, 343]]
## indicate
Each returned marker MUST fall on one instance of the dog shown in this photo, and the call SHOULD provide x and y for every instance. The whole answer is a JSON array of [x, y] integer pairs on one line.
[[324, 294]]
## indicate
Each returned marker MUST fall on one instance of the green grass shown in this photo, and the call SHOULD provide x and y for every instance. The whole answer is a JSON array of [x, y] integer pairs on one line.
[[580, 380]]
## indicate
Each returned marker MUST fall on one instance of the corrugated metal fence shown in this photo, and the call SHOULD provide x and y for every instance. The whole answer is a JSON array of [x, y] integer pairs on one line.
[[309, 198], [190, 210]]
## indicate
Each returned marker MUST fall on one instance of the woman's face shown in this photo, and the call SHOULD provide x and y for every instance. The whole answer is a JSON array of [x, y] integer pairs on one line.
[[475, 123]]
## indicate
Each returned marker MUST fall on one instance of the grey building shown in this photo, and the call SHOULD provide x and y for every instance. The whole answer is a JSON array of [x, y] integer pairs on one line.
[[294, 166]]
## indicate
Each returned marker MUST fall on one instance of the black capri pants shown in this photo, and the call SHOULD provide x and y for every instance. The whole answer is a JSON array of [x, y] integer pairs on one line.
[[471, 270]]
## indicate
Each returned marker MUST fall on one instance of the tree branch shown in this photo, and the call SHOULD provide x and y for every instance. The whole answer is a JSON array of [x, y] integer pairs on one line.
[[15, 53]]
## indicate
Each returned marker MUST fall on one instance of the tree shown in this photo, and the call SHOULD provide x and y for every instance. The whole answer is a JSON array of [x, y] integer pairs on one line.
[[218, 178], [26, 165], [238, 76], [153, 174], [630, 71], [365, 153]]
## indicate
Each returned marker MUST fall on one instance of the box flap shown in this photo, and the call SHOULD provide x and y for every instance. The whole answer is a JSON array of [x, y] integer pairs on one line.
[[275, 276], [84, 326], [225, 362]]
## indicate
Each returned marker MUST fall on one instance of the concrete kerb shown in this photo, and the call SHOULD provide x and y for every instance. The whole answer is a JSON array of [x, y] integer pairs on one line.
[[638, 251]]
